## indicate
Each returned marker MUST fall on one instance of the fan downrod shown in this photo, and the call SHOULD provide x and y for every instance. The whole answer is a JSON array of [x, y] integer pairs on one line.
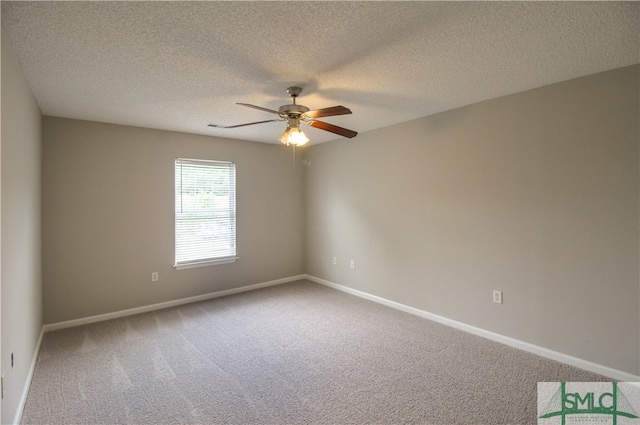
[[294, 110]]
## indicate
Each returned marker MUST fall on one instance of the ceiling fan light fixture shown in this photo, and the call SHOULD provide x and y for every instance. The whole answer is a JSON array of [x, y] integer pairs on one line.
[[293, 136], [293, 114]]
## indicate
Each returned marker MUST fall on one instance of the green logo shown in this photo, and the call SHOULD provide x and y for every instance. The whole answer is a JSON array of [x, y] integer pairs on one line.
[[589, 401]]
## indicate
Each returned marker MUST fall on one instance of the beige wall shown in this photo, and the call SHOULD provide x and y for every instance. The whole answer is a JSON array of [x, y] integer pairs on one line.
[[534, 194], [108, 217], [20, 277]]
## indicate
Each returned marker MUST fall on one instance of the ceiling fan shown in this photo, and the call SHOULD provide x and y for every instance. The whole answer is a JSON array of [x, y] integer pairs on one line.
[[294, 114]]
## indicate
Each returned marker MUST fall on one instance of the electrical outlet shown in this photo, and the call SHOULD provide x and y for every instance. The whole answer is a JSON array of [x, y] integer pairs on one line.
[[154, 277], [335, 261], [497, 296], [353, 264], [11, 359], [2, 388]]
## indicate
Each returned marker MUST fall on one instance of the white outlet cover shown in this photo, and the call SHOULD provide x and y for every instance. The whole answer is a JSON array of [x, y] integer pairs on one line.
[[497, 297]]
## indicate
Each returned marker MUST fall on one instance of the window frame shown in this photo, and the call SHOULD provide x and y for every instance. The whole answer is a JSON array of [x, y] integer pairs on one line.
[[204, 261]]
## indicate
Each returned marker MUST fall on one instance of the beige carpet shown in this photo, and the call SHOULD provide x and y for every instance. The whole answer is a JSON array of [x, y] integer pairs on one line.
[[297, 353]]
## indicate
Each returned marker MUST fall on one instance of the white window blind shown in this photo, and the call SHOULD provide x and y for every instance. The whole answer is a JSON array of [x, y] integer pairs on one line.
[[205, 212]]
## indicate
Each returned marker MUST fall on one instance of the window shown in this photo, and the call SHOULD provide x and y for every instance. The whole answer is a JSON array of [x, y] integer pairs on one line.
[[205, 213]]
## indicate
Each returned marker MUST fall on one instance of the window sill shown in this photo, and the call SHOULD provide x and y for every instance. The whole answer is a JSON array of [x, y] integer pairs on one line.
[[207, 263]]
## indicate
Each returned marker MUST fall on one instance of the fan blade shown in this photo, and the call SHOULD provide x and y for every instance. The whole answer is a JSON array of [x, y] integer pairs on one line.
[[258, 107], [333, 128], [240, 125], [328, 112]]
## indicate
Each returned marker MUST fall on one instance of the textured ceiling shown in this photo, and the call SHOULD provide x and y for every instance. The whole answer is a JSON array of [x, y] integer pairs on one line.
[[181, 65]]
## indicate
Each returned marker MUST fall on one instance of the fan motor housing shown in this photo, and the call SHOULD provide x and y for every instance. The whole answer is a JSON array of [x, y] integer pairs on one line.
[[292, 110]]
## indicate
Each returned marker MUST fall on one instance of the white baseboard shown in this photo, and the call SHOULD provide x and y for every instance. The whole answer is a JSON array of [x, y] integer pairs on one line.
[[27, 384], [167, 304], [525, 346]]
